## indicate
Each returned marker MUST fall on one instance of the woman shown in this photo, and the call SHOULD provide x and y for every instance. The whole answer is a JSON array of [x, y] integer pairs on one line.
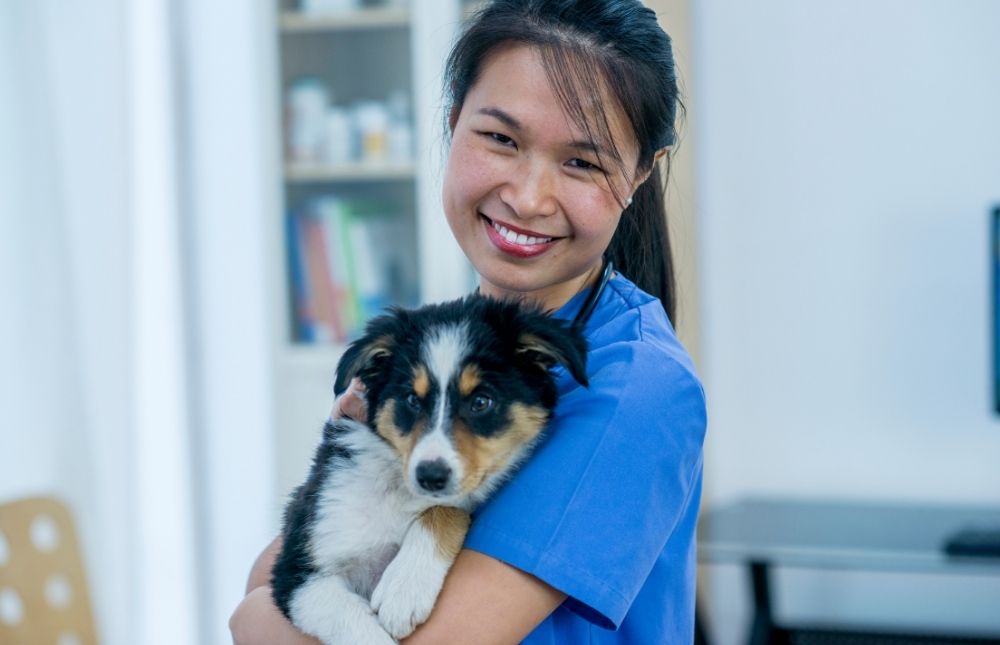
[[558, 111]]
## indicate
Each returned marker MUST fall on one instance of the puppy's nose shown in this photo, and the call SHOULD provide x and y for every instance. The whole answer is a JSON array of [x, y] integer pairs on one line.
[[433, 475]]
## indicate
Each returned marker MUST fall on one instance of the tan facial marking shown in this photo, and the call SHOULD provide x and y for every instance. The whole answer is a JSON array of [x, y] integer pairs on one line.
[[484, 456], [469, 380], [528, 420], [467, 447], [385, 426], [448, 526], [421, 381]]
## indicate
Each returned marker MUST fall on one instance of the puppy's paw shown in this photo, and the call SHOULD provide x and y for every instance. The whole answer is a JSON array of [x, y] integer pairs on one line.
[[363, 634], [409, 587], [405, 596], [325, 608]]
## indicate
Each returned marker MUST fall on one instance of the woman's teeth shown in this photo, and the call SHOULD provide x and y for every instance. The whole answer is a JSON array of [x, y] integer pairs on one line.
[[522, 239]]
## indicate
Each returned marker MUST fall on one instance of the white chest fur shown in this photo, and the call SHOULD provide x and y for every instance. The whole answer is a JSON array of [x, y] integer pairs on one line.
[[363, 512]]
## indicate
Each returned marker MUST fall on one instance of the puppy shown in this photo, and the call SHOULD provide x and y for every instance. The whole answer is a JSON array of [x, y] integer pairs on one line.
[[457, 395]]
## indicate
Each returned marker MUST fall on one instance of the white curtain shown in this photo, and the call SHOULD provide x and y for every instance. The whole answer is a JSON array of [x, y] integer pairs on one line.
[[125, 389]]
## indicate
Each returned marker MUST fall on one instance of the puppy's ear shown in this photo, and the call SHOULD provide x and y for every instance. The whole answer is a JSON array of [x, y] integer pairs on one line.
[[367, 357], [548, 341]]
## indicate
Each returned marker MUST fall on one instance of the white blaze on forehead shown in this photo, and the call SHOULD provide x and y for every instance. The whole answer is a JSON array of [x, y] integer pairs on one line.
[[443, 352]]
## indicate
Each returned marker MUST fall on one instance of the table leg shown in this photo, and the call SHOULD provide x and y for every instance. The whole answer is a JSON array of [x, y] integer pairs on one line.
[[762, 632], [700, 635]]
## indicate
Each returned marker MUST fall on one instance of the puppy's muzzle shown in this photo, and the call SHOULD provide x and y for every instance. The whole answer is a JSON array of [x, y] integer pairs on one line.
[[433, 476]]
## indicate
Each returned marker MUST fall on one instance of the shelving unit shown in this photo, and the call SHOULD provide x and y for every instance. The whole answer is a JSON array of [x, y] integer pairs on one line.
[[353, 172], [376, 18], [361, 55]]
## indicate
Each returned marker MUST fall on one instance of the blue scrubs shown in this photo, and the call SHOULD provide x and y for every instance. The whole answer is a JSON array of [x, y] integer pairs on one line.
[[605, 509]]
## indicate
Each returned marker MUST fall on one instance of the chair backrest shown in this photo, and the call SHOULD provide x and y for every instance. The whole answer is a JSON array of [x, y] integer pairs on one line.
[[43, 591]]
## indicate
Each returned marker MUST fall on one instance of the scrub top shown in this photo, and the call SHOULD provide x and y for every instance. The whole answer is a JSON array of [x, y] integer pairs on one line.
[[605, 508]]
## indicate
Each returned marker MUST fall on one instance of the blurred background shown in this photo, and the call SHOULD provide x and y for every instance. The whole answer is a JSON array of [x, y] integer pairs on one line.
[[201, 201]]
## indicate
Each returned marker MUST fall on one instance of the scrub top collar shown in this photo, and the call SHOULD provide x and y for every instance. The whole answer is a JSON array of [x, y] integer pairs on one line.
[[572, 307]]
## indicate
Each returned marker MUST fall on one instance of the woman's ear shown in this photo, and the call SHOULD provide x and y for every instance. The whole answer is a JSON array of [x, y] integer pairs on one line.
[[641, 179]]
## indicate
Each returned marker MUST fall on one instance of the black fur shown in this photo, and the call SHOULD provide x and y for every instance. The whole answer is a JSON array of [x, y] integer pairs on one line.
[[293, 565], [497, 328]]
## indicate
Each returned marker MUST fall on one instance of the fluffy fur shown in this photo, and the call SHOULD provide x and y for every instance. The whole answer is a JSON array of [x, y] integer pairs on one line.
[[457, 395]]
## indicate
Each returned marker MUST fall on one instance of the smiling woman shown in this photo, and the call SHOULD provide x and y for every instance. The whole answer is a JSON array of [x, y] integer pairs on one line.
[[558, 111]]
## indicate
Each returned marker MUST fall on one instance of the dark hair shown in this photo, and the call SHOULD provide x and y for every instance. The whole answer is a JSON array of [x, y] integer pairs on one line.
[[620, 42]]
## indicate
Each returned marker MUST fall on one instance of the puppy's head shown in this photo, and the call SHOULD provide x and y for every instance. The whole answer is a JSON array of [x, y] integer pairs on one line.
[[462, 390]]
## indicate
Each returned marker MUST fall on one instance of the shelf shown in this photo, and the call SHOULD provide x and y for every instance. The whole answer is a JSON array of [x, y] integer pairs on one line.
[[293, 22], [317, 172], [471, 7], [320, 357], [360, 55]]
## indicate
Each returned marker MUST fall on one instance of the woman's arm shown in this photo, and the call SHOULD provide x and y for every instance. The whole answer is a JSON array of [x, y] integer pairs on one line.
[[257, 621], [483, 601], [260, 574], [487, 602]]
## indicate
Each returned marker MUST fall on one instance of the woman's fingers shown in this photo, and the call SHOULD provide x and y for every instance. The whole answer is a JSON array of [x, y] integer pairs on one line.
[[351, 403]]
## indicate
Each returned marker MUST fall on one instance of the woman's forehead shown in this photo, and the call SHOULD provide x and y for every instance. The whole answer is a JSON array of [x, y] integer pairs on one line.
[[515, 87]]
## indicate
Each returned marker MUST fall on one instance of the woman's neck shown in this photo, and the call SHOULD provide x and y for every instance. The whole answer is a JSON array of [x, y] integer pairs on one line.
[[550, 298]]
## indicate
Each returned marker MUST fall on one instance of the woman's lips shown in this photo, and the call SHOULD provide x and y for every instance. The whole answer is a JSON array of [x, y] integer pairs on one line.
[[517, 244]]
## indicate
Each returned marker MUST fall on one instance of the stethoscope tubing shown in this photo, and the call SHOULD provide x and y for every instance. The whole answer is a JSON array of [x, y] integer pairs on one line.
[[587, 310]]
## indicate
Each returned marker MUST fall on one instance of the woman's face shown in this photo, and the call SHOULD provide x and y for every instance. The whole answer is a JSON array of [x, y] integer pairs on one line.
[[524, 192]]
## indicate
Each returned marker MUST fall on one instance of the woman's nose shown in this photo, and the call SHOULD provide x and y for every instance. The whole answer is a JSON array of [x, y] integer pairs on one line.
[[531, 191]]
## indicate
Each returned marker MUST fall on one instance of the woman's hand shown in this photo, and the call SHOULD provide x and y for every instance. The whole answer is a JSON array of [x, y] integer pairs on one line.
[[257, 621], [352, 403]]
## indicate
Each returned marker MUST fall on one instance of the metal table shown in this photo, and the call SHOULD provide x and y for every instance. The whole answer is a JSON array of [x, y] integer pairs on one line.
[[763, 533]]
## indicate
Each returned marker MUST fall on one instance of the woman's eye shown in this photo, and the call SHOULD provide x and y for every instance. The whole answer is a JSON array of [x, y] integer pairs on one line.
[[583, 164], [480, 404], [413, 400], [502, 139]]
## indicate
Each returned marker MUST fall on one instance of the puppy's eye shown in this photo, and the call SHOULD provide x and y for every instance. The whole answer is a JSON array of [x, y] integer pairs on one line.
[[480, 404], [413, 401]]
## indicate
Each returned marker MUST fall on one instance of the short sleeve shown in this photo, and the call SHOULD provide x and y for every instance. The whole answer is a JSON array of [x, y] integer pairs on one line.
[[590, 512]]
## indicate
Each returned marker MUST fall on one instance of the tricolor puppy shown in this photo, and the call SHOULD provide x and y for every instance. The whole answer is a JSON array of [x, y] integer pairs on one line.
[[457, 395]]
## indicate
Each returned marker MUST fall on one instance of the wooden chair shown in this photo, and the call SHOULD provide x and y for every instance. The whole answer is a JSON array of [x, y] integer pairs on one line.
[[43, 591]]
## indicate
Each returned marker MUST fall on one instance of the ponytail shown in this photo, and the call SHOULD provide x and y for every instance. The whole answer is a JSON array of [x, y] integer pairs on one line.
[[640, 247]]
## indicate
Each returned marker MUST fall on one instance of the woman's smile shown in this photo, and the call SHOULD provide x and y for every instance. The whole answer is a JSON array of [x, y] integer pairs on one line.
[[517, 242]]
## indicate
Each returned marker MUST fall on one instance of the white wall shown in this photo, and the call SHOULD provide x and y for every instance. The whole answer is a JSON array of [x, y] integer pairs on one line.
[[847, 159], [101, 344], [28, 340], [64, 280], [228, 152]]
